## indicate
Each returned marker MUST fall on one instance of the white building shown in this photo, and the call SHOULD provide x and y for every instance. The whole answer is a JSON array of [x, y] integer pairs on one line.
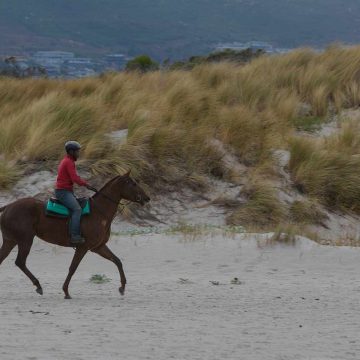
[[52, 58]]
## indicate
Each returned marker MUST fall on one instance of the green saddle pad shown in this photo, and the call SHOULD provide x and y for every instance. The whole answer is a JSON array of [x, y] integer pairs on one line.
[[55, 208]]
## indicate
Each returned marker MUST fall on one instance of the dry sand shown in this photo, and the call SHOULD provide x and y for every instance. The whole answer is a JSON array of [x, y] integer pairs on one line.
[[293, 302]]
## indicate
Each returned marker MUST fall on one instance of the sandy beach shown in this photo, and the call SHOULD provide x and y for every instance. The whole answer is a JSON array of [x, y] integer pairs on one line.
[[290, 302]]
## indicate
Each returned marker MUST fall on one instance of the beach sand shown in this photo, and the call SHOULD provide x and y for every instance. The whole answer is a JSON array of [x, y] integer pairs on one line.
[[291, 302]]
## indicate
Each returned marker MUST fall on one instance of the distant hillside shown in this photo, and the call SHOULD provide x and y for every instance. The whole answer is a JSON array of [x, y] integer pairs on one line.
[[171, 28]]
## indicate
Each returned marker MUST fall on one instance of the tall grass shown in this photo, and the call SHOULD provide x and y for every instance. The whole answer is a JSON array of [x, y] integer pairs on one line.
[[8, 174], [262, 208], [172, 116], [329, 168]]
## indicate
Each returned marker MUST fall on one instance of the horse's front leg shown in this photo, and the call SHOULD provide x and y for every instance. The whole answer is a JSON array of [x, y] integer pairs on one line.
[[106, 253], [78, 256]]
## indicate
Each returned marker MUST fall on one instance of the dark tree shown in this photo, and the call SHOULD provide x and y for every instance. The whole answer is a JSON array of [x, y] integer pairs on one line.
[[142, 63]]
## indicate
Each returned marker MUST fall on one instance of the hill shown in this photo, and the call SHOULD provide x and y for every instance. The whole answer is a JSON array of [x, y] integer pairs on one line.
[[271, 143], [171, 28]]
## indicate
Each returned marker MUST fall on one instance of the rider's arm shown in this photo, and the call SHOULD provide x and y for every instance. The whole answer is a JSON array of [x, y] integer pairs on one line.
[[74, 176]]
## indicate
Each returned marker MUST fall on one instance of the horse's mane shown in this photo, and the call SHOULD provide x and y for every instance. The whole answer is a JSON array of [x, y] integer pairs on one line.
[[110, 182]]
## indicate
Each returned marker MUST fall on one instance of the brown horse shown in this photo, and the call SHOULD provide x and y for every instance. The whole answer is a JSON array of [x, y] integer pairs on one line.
[[25, 218]]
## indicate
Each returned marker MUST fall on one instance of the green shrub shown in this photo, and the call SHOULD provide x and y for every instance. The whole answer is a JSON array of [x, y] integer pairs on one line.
[[142, 63]]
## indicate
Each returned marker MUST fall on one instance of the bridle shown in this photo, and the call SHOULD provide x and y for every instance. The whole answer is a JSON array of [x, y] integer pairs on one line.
[[111, 200], [97, 192]]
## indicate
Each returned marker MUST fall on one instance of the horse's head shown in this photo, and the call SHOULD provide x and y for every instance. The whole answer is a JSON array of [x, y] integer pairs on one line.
[[130, 190]]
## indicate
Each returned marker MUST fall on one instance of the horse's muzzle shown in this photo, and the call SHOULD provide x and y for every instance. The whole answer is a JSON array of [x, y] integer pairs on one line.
[[142, 200]]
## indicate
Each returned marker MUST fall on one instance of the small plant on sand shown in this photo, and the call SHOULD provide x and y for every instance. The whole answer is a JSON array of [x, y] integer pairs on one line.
[[99, 279], [189, 231], [284, 234], [308, 123]]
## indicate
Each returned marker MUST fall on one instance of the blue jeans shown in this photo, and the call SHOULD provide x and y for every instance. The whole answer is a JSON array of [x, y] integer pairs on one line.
[[68, 199]]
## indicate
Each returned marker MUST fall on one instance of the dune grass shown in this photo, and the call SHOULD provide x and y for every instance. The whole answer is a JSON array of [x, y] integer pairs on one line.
[[262, 209], [307, 212], [329, 169], [172, 116], [8, 174]]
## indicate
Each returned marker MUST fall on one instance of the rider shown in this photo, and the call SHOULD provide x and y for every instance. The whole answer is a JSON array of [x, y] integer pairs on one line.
[[66, 177]]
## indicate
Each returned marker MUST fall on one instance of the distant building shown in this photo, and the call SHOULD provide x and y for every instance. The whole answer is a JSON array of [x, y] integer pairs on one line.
[[253, 45], [60, 64], [78, 61], [78, 67], [115, 61], [52, 61], [52, 57], [63, 64]]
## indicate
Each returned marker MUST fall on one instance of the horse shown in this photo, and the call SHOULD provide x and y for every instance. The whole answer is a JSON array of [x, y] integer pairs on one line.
[[26, 218]]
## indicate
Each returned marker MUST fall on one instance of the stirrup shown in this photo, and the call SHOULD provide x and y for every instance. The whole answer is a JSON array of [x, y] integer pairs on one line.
[[77, 240]]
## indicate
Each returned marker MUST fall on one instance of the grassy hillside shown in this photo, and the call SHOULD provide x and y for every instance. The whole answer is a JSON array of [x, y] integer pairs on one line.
[[174, 117], [172, 28]]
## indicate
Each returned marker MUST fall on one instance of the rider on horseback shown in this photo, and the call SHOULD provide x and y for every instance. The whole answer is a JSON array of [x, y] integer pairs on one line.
[[66, 178]]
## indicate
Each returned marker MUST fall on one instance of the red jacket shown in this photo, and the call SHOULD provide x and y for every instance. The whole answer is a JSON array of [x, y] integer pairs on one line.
[[67, 175]]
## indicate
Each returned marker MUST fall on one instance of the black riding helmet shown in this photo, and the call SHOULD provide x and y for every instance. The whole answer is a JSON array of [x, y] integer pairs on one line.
[[72, 145]]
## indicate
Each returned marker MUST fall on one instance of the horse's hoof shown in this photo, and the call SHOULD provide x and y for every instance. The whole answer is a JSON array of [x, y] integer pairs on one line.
[[122, 291], [67, 297], [39, 291]]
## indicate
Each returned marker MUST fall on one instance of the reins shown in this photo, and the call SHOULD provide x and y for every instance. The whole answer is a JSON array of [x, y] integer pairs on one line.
[[110, 199], [117, 203]]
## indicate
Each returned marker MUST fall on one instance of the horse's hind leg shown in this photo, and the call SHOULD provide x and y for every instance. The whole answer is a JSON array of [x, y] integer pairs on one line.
[[24, 249], [6, 248]]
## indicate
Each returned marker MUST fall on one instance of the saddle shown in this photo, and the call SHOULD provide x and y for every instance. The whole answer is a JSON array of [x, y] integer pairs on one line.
[[53, 207]]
